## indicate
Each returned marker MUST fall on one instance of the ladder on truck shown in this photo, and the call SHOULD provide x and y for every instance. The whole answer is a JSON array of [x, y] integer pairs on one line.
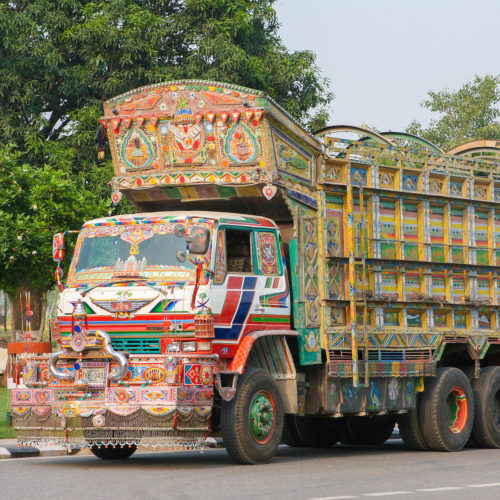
[[356, 239]]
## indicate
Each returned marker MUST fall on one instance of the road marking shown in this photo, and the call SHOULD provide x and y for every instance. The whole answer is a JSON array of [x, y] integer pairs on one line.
[[387, 493], [444, 488], [333, 498], [484, 485], [426, 490]]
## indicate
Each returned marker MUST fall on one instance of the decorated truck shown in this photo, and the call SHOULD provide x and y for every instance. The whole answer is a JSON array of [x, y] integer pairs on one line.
[[272, 286]]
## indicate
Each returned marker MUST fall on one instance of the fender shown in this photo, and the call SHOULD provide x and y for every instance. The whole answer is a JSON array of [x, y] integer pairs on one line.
[[239, 361]]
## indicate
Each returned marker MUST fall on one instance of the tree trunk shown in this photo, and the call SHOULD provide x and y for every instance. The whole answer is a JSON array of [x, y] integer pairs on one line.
[[19, 316]]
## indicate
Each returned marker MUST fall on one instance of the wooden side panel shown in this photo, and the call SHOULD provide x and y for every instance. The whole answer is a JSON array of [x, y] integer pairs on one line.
[[437, 234], [481, 236], [387, 227], [457, 235], [410, 231]]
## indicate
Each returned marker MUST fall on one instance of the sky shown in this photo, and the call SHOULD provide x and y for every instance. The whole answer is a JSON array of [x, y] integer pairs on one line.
[[383, 56]]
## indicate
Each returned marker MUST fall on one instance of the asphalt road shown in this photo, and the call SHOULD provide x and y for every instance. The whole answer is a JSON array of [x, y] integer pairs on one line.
[[342, 472]]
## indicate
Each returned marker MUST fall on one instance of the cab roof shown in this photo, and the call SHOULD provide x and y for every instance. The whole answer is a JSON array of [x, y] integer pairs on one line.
[[158, 217]]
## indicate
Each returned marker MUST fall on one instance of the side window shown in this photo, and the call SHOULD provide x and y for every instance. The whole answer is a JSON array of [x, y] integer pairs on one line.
[[239, 251], [220, 258], [267, 253]]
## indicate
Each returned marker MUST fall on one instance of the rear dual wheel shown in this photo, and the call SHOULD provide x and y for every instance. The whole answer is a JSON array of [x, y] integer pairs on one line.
[[446, 411], [486, 427], [317, 432], [410, 429], [374, 430]]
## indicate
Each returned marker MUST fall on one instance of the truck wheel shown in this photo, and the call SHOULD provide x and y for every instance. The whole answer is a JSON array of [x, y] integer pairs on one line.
[[119, 452], [410, 429], [486, 426], [343, 433], [290, 435], [372, 429], [317, 432], [252, 422], [447, 410]]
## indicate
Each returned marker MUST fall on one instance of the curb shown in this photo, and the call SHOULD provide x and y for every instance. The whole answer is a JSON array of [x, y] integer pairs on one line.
[[13, 451], [30, 451]]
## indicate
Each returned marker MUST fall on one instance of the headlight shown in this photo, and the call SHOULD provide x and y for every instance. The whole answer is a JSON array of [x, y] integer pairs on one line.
[[173, 347], [204, 346], [189, 346]]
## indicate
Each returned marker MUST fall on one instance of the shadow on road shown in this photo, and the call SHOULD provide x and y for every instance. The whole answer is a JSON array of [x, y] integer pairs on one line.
[[219, 458]]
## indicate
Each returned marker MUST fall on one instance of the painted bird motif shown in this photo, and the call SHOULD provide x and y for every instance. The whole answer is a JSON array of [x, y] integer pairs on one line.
[[375, 395]]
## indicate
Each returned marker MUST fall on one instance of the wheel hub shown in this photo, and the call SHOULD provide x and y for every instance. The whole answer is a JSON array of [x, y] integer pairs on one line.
[[262, 417], [457, 406]]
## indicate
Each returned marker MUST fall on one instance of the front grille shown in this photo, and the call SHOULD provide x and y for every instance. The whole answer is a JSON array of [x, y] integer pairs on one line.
[[146, 346]]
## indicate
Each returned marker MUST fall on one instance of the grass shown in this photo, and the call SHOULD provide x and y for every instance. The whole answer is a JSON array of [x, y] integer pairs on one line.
[[5, 431]]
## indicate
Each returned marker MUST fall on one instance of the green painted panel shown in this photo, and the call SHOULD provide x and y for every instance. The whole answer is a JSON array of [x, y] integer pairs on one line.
[[411, 251]]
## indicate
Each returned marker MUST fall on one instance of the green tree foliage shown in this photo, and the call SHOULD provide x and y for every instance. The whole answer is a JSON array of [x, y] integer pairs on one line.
[[59, 59], [468, 114], [36, 202]]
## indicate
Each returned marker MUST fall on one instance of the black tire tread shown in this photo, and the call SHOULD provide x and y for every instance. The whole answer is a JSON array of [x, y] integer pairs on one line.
[[317, 432], [374, 430], [410, 429], [290, 435], [431, 402], [482, 433], [120, 452], [233, 419]]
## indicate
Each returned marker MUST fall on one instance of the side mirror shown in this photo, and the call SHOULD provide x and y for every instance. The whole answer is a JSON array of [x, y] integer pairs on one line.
[[58, 247], [198, 239], [180, 230]]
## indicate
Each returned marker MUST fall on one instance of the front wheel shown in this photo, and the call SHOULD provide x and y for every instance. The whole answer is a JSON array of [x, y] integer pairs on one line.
[[252, 422], [118, 452]]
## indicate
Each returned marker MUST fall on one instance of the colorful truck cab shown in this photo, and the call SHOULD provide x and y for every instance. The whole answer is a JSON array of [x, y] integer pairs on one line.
[[300, 287]]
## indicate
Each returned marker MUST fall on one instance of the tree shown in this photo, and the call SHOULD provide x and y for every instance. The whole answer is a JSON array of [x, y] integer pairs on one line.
[[468, 114], [36, 202], [59, 59]]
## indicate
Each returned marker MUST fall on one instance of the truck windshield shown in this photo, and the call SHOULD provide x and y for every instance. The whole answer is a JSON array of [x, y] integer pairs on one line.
[[153, 251]]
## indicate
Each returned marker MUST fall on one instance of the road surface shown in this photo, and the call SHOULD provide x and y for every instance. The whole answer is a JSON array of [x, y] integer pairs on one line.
[[342, 472]]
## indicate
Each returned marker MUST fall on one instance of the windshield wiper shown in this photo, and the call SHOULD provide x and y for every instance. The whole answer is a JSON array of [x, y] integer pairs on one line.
[[135, 277]]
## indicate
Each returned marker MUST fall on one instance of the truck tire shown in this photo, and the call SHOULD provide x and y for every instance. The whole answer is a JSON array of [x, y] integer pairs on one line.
[[119, 452], [290, 435], [447, 410], [469, 373], [343, 433], [372, 429], [410, 429], [486, 426], [317, 432], [252, 422]]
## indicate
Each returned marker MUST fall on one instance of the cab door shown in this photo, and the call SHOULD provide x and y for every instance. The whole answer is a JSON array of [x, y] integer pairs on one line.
[[234, 284], [273, 308]]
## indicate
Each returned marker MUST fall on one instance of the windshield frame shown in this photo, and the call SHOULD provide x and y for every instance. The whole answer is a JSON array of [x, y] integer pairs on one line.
[[184, 273]]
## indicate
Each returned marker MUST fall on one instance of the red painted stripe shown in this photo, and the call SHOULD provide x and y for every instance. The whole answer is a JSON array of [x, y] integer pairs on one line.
[[232, 301]]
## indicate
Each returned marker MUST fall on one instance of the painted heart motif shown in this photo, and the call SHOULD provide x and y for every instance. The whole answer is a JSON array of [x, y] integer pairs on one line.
[[116, 196], [269, 191]]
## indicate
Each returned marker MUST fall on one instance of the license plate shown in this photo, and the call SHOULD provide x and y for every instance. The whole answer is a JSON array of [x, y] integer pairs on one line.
[[96, 374]]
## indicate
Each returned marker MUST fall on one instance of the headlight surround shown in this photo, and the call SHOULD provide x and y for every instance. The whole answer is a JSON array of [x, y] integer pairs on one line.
[[189, 346]]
